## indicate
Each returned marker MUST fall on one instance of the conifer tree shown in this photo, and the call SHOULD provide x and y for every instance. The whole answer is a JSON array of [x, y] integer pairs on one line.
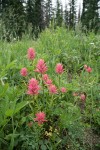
[[59, 14], [90, 15], [13, 18], [38, 16], [72, 14], [30, 14], [66, 16], [48, 12]]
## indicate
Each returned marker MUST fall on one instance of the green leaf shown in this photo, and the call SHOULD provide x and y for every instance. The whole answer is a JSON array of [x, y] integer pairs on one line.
[[20, 105], [8, 137], [11, 65], [3, 90], [9, 112], [43, 147]]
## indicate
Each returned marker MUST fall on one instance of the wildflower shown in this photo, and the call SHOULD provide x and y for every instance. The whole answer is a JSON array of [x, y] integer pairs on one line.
[[59, 68], [40, 118], [23, 72], [48, 82], [33, 87], [48, 134], [41, 67], [45, 77], [63, 90], [89, 69], [31, 54], [82, 97], [52, 89]]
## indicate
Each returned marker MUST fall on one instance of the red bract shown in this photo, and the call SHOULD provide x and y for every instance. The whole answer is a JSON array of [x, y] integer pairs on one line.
[[40, 118], [59, 68], [82, 97], [52, 89], [33, 87], [23, 72], [31, 54], [89, 69], [41, 67], [63, 90]]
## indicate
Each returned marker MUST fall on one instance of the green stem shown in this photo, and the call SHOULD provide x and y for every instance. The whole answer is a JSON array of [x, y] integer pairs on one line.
[[42, 85], [51, 102], [43, 91], [59, 80], [91, 116], [31, 106], [12, 137]]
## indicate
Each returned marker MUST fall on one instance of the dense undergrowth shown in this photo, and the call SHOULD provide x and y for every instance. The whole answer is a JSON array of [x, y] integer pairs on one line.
[[72, 121]]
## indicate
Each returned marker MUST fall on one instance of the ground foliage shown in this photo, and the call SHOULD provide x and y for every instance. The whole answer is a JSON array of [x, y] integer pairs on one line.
[[72, 122]]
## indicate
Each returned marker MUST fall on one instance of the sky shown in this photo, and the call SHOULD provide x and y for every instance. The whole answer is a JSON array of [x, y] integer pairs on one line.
[[78, 3]]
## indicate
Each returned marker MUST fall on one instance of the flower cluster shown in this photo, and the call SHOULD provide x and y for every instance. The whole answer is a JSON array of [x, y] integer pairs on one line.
[[31, 54], [41, 66], [24, 72], [33, 84], [33, 87], [52, 89], [40, 118], [59, 68]]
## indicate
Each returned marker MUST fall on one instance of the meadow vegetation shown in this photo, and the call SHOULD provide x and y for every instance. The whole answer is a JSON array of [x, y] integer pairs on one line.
[[63, 112]]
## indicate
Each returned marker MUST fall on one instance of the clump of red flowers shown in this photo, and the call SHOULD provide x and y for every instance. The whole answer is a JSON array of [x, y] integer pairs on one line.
[[41, 67], [88, 69], [31, 54], [40, 118], [59, 68], [52, 89], [24, 72], [33, 87]]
